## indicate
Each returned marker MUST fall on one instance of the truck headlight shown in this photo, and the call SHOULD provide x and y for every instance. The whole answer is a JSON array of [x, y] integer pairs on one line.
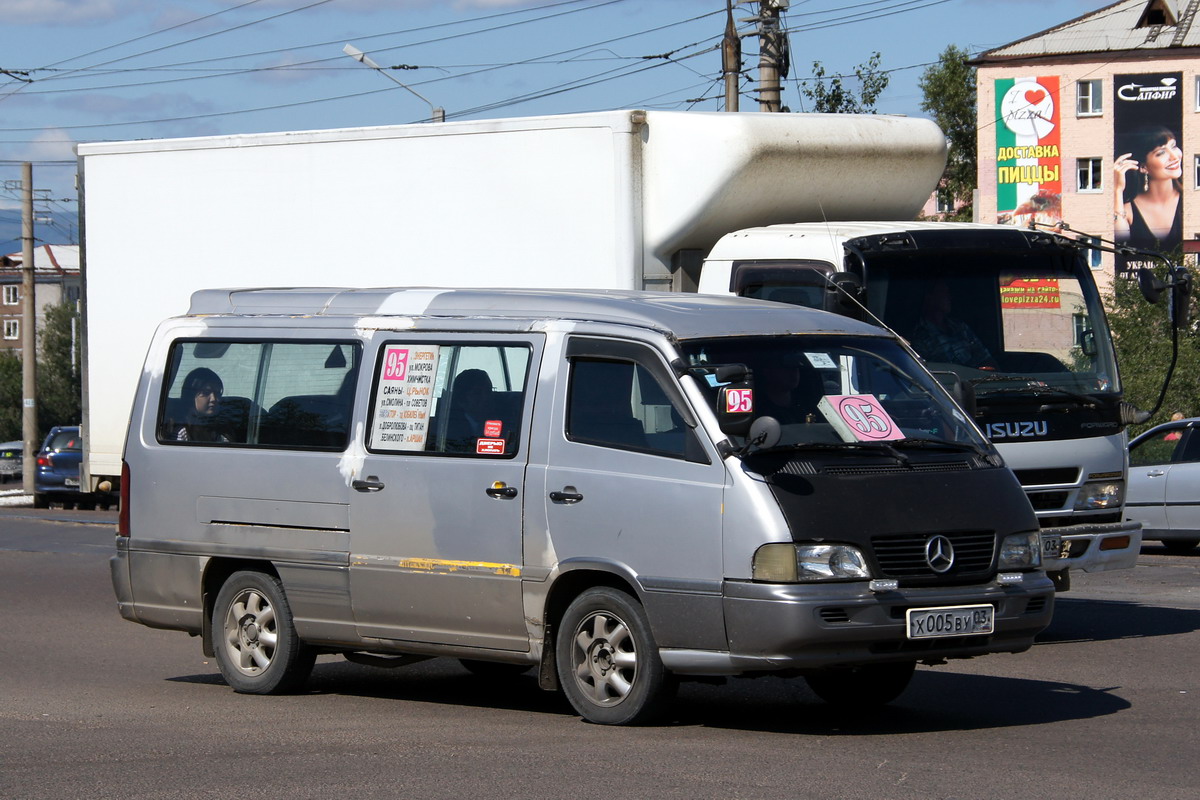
[[1095, 496], [801, 563], [1021, 551]]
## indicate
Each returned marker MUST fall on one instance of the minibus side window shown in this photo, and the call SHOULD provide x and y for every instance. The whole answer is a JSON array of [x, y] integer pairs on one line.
[[449, 399], [285, 394], [620, 404]]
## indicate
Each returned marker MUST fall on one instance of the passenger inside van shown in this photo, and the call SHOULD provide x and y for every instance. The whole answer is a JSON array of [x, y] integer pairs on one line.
[[200, 401], [471, 407]]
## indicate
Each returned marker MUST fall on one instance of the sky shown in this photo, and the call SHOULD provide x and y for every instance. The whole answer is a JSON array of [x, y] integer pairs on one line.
[[112, 70]]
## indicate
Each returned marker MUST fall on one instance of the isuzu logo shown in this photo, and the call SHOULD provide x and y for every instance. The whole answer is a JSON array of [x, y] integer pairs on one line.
[[1017, 430], [939, 553]]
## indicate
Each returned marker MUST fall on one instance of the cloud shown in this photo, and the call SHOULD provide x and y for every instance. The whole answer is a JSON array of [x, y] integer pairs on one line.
[[112, 107], [59, 12]]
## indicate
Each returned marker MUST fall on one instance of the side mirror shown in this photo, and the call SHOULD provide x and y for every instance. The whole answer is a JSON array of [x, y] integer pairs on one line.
[[764, 433], [845, 295], [735, 400], [1150, 285], [962, 391]]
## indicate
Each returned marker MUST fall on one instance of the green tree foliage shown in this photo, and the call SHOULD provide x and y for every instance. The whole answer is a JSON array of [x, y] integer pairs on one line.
[[10, 396], [59, 380], [830, 96], [949, 98], [1142, 334]]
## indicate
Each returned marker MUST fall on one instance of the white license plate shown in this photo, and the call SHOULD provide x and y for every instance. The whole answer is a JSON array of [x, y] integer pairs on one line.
[[930, 623], [1051, 547], [70, 481]]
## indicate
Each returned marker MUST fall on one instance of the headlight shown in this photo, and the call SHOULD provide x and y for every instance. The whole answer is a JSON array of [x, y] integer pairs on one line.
[[798, 563], [1021, 551], [1094, 496]]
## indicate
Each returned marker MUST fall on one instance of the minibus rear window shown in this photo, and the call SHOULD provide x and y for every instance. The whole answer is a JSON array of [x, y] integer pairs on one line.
[[286, 394]]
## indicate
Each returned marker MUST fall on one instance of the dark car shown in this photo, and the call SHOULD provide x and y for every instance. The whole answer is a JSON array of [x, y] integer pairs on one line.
[[56, 478]]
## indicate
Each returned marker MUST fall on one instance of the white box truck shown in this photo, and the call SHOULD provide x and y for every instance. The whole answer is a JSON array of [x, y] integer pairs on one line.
[[619, 200]]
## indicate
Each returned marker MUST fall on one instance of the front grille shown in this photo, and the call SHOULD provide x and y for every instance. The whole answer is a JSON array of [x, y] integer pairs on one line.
[[1094, 519], [903, 556], [883, 469], [1047, 501], [1046, 477], [1036, 605]]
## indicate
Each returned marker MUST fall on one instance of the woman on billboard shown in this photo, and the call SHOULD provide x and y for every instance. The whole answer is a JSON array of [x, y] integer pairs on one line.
[[1148, 209]]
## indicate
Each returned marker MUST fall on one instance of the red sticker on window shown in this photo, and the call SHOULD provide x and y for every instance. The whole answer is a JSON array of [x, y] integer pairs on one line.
[[739, 401], [489, 447], [492, 428]]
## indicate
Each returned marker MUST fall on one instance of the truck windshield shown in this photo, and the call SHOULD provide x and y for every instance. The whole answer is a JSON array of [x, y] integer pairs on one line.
[[834, 391], [1006, 322]]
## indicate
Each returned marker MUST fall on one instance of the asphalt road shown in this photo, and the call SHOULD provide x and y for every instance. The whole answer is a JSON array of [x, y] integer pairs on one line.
[[1105, 706]]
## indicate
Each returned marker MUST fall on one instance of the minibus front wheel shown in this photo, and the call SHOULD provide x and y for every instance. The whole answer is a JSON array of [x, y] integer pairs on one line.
[[608, 662], [255, 641]]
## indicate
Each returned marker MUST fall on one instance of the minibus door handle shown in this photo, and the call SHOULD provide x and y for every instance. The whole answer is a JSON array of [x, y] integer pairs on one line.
[[371, 484], [500, 489], [568, 495]]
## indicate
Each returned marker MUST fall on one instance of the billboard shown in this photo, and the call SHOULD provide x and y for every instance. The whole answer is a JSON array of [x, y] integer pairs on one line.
[[1028, 161], [1147, 166]]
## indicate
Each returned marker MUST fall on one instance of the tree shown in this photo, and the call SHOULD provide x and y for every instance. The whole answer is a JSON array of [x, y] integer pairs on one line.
[[949, 97], [837, 98], [1142, 334], [10, 396], [60, 396]]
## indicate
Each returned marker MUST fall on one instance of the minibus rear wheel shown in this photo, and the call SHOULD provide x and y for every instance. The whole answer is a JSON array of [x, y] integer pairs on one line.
[[862, 687], [255, 639], [608, 662]]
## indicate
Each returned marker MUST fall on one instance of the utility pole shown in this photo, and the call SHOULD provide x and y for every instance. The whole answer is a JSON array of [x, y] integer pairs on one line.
[[731, 59], [773, 54], [29, 427]]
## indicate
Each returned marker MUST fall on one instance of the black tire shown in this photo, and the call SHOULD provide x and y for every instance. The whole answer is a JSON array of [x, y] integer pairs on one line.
[[608, 662], [255, 640], [494, 669], [1180, 547], [41, 501], [864, 687]]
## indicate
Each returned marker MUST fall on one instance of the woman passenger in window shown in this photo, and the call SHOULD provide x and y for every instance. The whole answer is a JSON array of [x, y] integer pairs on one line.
[[1147, 180], [202, 390]]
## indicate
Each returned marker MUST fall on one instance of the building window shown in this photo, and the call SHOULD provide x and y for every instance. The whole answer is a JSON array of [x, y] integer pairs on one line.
[[945, 202], [1093, 255], [1089, 100], [1196, 172], [12, 295], [12, 329], [1089, 174]]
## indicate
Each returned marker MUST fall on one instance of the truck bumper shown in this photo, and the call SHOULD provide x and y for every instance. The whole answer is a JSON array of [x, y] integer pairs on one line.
[[774, 627], [1098, 547]]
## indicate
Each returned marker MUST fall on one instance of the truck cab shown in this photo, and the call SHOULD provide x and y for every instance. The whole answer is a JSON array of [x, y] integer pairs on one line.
[[1011, 316]]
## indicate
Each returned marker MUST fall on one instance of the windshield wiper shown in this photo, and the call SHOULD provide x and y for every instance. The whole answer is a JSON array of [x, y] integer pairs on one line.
[[939, 444], [885, 448], [1040, 389]]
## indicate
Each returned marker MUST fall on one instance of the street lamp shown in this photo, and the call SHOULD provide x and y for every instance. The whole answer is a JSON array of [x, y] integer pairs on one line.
[[439, 113]]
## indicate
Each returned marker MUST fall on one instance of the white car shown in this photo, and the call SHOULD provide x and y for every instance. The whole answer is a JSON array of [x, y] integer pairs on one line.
[[1164, 484]]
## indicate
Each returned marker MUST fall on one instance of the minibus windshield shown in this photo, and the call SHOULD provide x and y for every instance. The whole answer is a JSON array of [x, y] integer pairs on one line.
[[831, 391]]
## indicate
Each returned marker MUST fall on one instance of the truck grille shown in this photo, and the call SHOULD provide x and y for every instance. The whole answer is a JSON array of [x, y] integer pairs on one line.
[[1047, 501], [904, 556]]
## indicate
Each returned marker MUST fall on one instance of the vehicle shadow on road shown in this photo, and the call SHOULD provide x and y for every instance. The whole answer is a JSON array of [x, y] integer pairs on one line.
[[1105, 620], [935, 701]]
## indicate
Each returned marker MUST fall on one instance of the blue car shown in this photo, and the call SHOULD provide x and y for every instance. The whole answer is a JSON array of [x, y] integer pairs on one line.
[[56, 478]]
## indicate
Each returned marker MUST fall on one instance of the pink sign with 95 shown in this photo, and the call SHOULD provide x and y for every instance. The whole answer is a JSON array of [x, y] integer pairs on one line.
[[859, 417]]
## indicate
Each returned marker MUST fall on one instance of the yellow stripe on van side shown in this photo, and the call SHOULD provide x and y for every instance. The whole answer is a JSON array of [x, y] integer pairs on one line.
[[442, 565]]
